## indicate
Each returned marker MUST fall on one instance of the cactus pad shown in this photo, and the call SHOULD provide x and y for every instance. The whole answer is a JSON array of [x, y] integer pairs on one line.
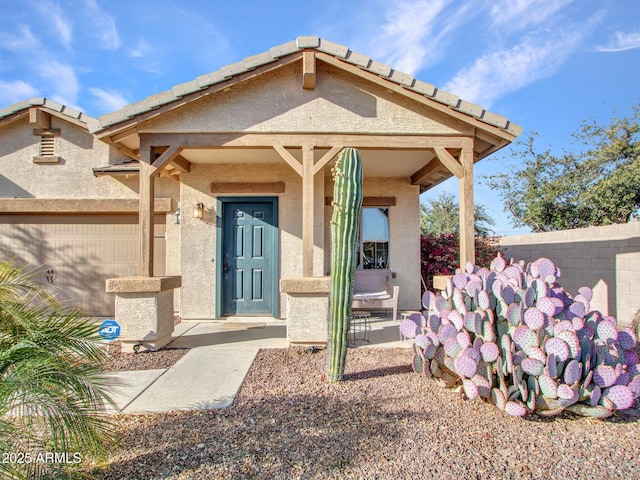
[[607, 331], [532, 366], [463, 339], [630, 358], [578, 309], [498, 264], [634, 386], [490, 352], [470, 389], [484, 301], [597, 411], [418, 364], [565, 392], [627, 338], [440, 303], [456, 319], [451, 347], [571, 339], [446, 331], [515, 409], [408, 328], [546, 306], [572, 372], [465, 366], [484, 388], [548, 386], [524, 337], [498, 399], [427, 299], [534, 317], [604, 376], [620, 395]]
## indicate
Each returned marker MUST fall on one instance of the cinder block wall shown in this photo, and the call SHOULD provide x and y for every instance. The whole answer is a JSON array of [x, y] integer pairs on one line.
[[607, 259]]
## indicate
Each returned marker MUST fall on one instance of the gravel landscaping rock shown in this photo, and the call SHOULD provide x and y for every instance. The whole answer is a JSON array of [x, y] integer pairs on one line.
[[383, 422], [163, 358]]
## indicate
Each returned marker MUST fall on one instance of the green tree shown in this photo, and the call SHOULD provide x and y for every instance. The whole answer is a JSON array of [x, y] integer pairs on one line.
[[597, 184], [442, 215], [51, 393]]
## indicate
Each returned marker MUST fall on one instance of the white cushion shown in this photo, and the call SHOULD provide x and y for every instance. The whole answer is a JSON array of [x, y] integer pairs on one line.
[[383, 295]]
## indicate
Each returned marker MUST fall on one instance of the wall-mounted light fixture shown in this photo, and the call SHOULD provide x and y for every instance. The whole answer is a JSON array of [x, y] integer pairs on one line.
[[176, 216], [198, 210]]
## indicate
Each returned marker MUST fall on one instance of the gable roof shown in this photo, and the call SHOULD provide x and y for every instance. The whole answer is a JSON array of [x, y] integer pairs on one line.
[[228, 73], [16, 110]]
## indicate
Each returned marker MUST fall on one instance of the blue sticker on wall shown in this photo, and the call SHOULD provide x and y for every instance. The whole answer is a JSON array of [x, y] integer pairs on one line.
[[109, 330]]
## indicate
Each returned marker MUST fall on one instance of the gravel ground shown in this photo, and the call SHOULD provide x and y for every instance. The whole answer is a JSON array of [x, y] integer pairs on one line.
[[119, 361], [384, 422]]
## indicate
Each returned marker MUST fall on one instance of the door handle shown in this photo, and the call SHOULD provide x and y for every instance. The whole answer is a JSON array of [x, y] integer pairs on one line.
[[225, 268]]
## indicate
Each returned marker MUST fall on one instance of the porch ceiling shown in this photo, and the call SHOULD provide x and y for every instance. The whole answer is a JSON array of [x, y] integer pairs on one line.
[[376, 163]]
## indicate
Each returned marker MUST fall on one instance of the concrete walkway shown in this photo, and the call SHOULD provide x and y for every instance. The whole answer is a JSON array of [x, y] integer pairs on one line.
[[211, 373]]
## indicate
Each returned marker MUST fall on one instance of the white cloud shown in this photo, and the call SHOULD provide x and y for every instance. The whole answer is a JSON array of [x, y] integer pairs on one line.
[[103, 26], [520, 14], [109, 100], [23, 42], [62, 80], [53, 15], [537, 56], [621, 41], [401, 40], [16, 91]]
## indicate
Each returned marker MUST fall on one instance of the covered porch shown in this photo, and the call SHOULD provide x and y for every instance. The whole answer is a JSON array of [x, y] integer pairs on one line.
[[238, 141]]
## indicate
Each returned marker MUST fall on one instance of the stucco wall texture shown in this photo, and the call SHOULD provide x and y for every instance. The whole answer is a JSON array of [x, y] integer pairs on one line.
[[606, 259], [275, 102], [198, 236]]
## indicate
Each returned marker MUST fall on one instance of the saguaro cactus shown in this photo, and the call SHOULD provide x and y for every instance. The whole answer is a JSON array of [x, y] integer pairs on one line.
[[347, 202]]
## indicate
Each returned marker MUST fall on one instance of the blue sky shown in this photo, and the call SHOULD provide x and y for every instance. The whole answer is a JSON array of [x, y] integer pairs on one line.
[[545, 64]]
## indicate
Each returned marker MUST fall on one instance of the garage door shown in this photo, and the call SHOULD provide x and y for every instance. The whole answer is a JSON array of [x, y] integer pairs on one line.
[[81, 252]]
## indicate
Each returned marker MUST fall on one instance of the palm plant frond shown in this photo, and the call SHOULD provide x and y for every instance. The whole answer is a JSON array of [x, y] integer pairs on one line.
[[52, 393]]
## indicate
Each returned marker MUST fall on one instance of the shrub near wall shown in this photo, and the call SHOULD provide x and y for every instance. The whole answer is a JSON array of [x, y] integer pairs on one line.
[[440, 254]]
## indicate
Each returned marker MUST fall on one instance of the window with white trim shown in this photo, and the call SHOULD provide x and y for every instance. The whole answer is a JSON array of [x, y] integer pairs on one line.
[[373, 247]]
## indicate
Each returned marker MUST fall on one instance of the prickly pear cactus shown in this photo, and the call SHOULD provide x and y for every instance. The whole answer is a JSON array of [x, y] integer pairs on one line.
[[514, 337], [347, 203]]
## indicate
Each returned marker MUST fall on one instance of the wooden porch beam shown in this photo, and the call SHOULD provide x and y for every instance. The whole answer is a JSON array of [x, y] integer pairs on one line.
[[181, 164], [467, 219], [39, 118], [309, 70], [280, 141], [167, 157], [421, 175], [290, 159], [146, 181], [307, 211], [124, 134], [449, 161], [326, 158]]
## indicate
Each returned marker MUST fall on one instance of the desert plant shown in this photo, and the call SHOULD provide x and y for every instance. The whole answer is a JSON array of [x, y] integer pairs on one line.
[[440, 254], [513, 336], [347, 202], [51, 393]]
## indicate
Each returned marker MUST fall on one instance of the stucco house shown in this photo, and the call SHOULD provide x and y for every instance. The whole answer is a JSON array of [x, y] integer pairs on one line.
[[213, 198]]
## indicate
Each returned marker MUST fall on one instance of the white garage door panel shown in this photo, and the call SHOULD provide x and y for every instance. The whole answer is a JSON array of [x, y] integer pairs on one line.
[[82, 250]]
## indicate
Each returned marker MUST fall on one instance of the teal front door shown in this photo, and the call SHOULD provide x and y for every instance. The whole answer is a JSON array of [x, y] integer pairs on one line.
[[249, 258]]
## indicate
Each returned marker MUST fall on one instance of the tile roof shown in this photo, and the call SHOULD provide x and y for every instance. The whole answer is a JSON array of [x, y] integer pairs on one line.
[[46, 103], [229, 71], [301, 43]]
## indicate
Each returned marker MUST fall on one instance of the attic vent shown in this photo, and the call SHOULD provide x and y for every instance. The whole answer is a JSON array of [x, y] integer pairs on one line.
[[47, 146]]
